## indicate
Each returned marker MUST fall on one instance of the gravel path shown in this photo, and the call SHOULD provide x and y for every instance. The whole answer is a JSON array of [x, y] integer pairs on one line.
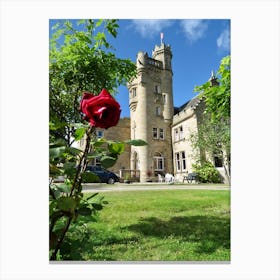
[[150, 186]]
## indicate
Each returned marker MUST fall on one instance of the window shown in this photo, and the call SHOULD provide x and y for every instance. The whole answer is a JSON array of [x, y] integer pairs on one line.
[[218, 161], [134, 92], [178, 163], [164, 99], [158, 111], [157, 89], [181, 164], [158, 133], [155, 133], [158, 162], [183, 157], [181, 134], [178, 134], [161, 134], [100, 133]]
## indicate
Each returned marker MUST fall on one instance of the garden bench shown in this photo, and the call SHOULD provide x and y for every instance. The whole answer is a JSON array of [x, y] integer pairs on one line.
[[190, 177]]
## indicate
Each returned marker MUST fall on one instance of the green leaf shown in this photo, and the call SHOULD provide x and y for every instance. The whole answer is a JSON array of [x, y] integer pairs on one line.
[[56, 152], [54, 170], [136, 142], [89, 177], [64, 188], [108, 161], [55, 126], [99, 142], [84, 211], [69, 168], [79, 133], [97, 206], [74, 151], [66, 204], [82, 21], [93, 195], [78, 125], [57, 193], [116, 148], [99, 22]]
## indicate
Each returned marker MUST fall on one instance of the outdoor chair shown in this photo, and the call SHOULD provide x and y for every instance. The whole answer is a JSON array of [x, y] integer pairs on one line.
[[190, 178], [160, 178]]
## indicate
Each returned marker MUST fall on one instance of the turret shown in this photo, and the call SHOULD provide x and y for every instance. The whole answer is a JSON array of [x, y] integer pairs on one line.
[[141, 60], [163, 53], [151, 112]]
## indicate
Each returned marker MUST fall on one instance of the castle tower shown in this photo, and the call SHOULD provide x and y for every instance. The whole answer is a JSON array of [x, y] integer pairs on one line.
[[151, 112]]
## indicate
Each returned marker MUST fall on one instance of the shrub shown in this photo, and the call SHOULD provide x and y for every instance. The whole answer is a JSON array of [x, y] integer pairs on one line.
[[206, 172]]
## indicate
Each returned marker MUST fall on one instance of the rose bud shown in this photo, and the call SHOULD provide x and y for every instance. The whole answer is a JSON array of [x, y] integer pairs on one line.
[[100, 111]]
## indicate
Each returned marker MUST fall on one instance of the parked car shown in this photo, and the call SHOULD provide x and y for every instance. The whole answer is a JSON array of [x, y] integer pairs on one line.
[[104, 175]]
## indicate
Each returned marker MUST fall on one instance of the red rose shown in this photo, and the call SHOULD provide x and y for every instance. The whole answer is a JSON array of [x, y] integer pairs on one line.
[[102, 110]]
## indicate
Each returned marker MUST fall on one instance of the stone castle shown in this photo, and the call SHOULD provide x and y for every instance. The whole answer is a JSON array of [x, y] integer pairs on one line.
[[154, 119]]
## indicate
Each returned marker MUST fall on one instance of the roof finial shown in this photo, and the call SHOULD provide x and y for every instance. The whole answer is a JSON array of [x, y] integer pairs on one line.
[[161, 38]]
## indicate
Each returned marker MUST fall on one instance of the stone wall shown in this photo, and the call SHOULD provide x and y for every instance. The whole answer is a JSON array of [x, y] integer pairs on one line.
[[120, 132], [185, 123]]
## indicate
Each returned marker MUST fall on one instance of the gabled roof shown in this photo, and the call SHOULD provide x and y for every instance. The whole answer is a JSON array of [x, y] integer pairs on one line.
[[189, 104]]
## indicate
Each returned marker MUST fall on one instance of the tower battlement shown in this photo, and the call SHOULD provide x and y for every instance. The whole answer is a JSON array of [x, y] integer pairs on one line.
[[143, 61], [161, 48]]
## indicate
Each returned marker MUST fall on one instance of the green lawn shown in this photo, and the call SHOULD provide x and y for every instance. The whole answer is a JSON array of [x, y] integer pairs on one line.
[[173, 225]]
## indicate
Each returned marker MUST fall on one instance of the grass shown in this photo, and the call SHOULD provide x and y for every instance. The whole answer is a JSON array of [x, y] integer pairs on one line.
[[169, 225]]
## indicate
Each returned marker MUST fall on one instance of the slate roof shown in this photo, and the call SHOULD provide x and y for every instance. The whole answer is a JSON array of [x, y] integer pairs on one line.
[[189, 104]]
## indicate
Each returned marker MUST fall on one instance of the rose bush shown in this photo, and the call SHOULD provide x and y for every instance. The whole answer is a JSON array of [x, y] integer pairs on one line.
[[100, 111]]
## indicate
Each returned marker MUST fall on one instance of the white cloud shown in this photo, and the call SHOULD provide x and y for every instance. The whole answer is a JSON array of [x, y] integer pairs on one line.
[[194, 29], [150, 27], [223, 42]]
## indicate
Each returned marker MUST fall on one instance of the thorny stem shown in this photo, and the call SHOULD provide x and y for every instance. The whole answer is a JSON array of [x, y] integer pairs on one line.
[[75, 186], [53, 257], [82, 161]]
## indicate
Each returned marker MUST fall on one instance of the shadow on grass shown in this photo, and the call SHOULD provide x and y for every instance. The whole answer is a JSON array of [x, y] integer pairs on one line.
[[209, 232], [84, 246]]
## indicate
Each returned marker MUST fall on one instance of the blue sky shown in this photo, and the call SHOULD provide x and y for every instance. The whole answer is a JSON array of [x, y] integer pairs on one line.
[[198, 45]]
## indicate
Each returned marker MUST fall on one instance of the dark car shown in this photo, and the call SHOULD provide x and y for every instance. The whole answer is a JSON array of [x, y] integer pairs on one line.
[[104, 175]]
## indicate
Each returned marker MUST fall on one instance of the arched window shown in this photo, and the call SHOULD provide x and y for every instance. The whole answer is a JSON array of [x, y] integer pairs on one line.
[[158, 162]]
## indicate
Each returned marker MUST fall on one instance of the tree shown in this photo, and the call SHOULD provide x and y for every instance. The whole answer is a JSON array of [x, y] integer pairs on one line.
[[81, 59], [212, 140], [213, 136], [217, 98]]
